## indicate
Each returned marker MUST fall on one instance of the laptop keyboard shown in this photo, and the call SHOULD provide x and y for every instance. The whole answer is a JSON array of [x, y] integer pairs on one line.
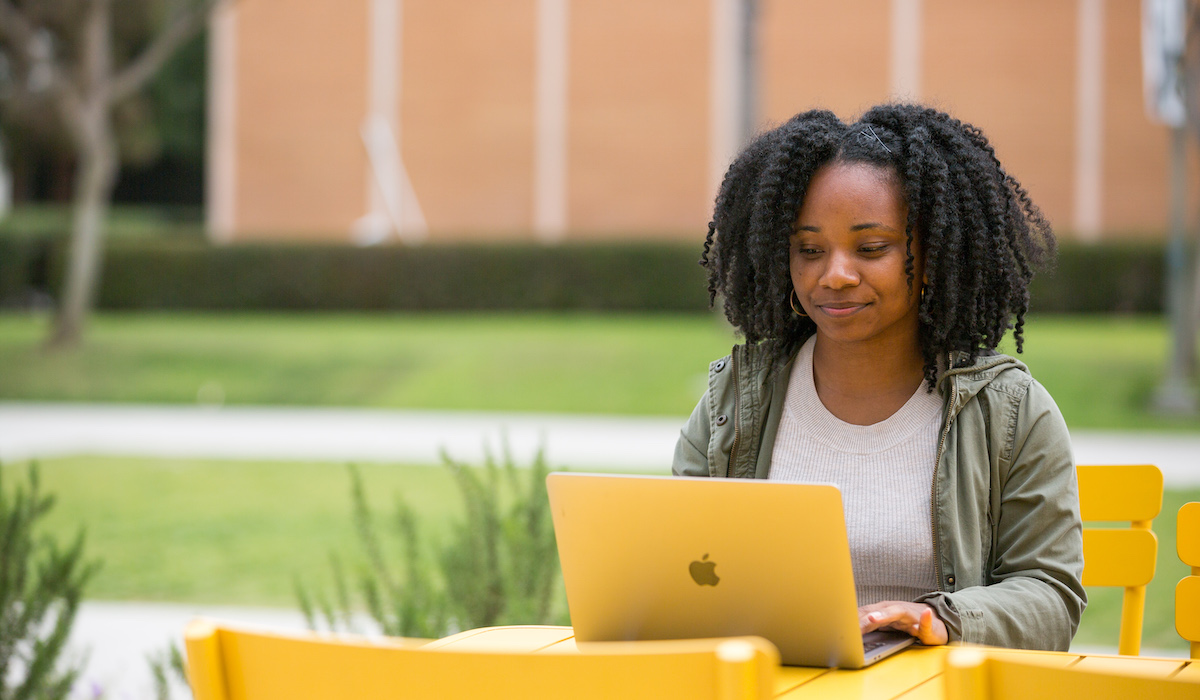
[[870, 646]]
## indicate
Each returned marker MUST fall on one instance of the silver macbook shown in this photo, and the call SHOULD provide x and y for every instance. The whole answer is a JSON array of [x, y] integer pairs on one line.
[[648, 557]]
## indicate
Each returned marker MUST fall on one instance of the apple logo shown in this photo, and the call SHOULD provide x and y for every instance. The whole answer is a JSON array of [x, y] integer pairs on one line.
[[704, 572]]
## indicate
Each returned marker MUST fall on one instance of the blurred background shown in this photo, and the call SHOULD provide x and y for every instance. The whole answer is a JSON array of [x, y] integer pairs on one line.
[[233, 234]]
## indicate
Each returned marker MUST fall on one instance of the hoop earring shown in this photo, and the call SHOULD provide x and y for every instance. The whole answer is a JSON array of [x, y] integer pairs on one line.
[[792, 299]]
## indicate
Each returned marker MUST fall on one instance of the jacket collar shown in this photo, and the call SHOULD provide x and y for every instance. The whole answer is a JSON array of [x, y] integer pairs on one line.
[[963, 379]]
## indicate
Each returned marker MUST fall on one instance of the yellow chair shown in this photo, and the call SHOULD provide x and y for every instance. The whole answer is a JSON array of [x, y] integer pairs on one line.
[[1123, 557], [1187, 592], [973, 674], [230, 664]]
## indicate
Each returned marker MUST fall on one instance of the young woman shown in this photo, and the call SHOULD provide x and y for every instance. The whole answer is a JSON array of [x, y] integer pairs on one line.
[[873, 268]]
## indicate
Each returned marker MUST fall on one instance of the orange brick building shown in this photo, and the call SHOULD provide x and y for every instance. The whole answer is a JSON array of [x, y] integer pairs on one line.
[[350, 120]]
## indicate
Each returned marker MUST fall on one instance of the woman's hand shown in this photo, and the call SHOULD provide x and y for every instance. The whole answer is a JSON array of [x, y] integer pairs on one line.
[[918, 619]]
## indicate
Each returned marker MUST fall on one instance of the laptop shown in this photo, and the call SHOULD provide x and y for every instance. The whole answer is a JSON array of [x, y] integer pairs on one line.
[[652, 557]]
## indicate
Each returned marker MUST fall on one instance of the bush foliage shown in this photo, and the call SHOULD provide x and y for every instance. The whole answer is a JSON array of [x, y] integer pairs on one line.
[[187, 274], [499, 567], [41, 585]]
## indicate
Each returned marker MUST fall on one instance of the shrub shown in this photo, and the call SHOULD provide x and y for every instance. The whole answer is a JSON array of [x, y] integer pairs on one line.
[[499, 567], [188, 274], [41, 586]]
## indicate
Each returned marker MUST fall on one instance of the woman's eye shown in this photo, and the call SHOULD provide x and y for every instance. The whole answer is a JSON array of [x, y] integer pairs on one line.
[[873, 249]]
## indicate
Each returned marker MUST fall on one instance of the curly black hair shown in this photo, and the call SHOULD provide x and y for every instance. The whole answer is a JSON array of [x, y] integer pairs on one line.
[[981, 234]]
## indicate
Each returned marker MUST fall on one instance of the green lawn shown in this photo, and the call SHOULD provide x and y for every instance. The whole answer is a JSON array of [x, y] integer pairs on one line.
[[218, 531], [642, 364], [229, 532], [1101, 370]]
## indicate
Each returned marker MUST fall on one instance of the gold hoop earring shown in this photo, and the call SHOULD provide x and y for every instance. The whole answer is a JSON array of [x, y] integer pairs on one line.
[[792, 299]]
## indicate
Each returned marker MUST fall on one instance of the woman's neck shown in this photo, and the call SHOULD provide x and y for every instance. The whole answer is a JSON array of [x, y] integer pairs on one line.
[[865, 385]]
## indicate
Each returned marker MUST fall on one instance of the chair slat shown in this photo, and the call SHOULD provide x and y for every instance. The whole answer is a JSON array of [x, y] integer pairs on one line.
[[1187, 534], [973, 675], [264, 666], [1187, 608], [1118, 557], [1119, 492]]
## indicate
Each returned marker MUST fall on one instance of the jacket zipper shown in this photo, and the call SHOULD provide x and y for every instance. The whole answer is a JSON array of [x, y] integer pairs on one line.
[[937, 559], [737, 395]]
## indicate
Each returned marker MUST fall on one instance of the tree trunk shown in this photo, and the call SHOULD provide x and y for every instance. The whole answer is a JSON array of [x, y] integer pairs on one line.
[[94, 182]]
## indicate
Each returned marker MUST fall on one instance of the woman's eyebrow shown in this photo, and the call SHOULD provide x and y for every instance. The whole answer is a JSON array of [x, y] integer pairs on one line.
[[871, 225]]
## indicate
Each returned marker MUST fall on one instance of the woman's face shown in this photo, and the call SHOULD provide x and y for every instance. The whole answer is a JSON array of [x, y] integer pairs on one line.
[[848, 253]]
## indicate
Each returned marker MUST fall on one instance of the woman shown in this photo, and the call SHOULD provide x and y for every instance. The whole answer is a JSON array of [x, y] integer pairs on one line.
[[873, 268]]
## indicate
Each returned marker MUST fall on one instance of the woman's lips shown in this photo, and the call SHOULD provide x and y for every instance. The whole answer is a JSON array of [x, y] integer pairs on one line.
[[840, 309]]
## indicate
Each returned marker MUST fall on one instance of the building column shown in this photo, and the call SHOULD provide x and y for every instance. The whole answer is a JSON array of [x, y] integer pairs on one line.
[[550, 121], [729, 121], [1087, 215], [907, 39]]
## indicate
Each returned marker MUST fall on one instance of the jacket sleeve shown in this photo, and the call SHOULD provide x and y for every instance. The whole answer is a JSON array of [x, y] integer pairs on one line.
[[691, 450], [1034, 596]]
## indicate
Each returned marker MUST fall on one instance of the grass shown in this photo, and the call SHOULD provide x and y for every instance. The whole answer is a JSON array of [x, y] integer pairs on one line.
[[209, 531], [1101, 370], [642, 364], [229, 532]]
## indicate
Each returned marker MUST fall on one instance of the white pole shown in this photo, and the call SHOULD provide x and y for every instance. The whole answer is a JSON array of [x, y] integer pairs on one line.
[[725, 90], [550, 129], [1089, 121], [906, 44]]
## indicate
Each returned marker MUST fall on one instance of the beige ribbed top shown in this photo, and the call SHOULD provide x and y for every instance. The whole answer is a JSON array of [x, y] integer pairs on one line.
[[885, 473]]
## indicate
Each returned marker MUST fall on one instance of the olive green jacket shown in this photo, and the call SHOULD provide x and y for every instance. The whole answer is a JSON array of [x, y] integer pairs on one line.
[[1008, 543]]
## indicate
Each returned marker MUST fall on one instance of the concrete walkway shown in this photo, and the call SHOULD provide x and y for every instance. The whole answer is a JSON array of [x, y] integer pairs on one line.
[[330, 434], [118, 637], [117, 641]]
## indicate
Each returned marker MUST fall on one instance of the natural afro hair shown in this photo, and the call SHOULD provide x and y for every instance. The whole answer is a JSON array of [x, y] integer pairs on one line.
[[981, 234]]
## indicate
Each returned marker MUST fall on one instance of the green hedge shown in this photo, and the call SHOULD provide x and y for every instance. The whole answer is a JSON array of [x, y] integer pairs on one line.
[[1102, 278], [182, 274]]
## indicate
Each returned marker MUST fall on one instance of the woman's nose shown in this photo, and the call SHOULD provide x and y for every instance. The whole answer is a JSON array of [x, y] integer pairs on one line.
[[839, 272]]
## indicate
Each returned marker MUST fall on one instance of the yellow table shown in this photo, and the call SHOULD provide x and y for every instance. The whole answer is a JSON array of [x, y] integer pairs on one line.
[[913, 674]]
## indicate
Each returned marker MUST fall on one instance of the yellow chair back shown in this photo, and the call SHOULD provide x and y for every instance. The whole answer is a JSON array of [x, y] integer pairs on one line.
[[1187, 592], [1123, 557], [230, 664], [973, 674]]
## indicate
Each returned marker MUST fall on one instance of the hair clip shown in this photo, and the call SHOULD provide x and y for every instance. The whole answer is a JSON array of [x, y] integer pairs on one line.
[[869, 134]]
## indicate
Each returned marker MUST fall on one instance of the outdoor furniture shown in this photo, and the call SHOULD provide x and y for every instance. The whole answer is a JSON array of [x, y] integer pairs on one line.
[[975, 674], [1123, 557], [1187, 592], [544, 662], [225, 663], [916, 673]]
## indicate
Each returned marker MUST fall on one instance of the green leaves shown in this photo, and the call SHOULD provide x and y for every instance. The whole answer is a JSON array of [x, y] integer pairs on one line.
[[500, 565], [41, 585]]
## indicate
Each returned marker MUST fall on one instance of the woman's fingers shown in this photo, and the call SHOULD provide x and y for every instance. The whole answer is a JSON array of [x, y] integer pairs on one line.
[[931, 630], [916, 619]]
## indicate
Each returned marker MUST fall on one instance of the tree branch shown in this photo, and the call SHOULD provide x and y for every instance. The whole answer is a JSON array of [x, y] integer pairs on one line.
[[181, 27], [20, 35], [16, 31]]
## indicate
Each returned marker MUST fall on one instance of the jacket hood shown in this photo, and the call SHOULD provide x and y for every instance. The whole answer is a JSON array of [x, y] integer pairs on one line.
[[966, 379]]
